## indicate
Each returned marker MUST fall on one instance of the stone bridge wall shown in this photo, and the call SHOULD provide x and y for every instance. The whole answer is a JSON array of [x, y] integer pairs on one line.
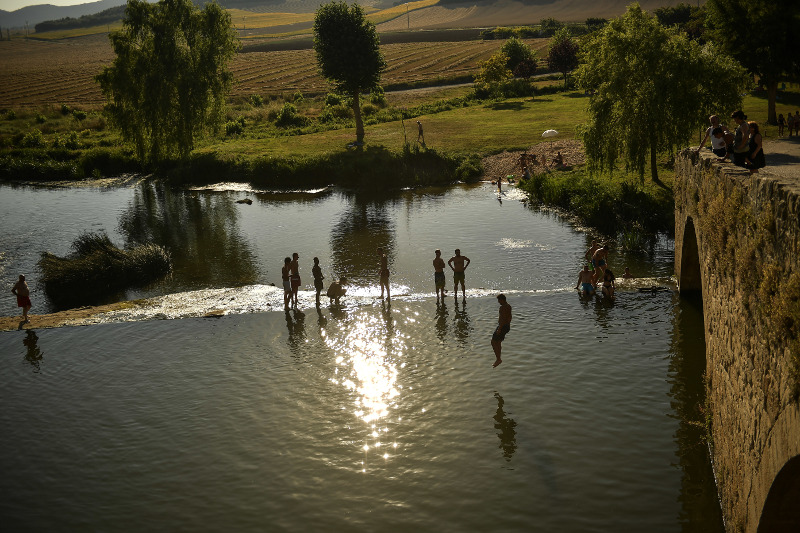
[[737, 239]]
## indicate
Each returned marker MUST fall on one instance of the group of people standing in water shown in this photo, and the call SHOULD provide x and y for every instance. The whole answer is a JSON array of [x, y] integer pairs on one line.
[[595, 270], [290, 274]]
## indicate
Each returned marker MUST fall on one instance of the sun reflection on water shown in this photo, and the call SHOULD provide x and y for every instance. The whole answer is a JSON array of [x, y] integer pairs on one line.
[[369, 352]]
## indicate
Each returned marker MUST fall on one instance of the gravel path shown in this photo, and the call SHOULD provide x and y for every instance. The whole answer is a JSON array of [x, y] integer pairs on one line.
[[783, 158]]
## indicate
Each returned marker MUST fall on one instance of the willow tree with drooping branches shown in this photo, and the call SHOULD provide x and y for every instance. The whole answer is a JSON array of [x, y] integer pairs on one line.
[[651, 88], [168, 83]]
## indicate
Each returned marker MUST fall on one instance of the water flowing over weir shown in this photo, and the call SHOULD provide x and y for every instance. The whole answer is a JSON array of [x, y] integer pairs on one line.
[[367, 415]]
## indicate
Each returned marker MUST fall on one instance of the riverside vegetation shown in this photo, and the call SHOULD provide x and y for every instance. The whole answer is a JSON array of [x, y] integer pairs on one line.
[[97, 268], [295, 140]]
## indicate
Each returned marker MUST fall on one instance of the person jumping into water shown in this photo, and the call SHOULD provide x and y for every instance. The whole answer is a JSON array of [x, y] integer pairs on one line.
[[503, 327]]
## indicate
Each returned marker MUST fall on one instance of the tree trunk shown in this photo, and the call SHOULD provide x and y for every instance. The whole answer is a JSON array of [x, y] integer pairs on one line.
[[357, 116], [772, 93], [653, 167]]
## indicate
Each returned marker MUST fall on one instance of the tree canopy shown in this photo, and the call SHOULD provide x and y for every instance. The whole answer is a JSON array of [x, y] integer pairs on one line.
[[348, 53], [517, 52], [168, 83], [651, 88], [563, 53], [763, 35]]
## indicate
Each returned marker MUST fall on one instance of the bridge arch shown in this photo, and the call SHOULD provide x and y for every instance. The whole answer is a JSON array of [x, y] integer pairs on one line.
[[781, 510], [690, 277]]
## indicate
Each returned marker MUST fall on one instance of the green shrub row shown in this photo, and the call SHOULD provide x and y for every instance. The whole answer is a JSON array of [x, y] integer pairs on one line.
[[373, 167], [615, 208], [64, 164]]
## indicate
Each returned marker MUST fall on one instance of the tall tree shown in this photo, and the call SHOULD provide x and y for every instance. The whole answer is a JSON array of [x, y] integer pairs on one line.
[[348, 53], [563, 53], [651, 88], [168, 83], [763, 36], [517, 52]]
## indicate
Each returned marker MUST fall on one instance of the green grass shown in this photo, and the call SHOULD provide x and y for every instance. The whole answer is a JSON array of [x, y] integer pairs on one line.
[[484, 128]]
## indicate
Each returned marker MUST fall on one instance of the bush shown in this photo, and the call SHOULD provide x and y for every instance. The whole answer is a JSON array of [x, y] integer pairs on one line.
[[107, 161], [470, 169], [333, 99], [69, 140], [65, 109], [11, 114], [369, 109], [96, 267], [78, 114], [297, 97], [40, 119], [32, 139], [288, 116], [235, 127], [256, 100], [377, 96]]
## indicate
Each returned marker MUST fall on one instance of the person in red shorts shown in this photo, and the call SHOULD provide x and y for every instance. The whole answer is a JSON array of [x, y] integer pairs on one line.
[[23, 295]]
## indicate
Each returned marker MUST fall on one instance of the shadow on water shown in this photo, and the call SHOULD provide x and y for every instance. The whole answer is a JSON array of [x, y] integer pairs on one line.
[[442, 317], [33, 354], [700, 509], [362, 228], [296, 324], [505, 429], [461, 323], [200, 230]]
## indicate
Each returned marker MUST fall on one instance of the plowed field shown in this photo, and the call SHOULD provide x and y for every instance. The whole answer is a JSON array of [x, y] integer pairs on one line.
[[40, 73]]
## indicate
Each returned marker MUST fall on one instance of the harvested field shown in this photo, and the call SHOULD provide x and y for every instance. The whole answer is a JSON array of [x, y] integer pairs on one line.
[[512, 13], [40, 73], [506, 163]]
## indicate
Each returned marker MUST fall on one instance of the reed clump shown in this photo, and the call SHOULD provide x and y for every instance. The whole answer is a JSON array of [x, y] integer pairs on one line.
[[97, 267]]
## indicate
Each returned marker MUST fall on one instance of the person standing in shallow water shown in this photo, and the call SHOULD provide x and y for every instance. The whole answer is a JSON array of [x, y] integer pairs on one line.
[[316, 271], [458, 264], [23, 294], [503, 327], [287, 283], [438, 274], [384, 273], [295, 277]]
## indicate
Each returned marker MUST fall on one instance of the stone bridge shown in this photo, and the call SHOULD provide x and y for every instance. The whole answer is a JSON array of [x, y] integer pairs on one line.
[[737, 246]]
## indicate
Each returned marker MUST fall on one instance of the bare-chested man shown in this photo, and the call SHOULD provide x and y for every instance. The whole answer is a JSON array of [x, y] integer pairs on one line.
[[585, 278], [384, 273], [458, 264], [23, 294], [438, 274], [590, 252], [503, 327], [600, 262], [295, 267]]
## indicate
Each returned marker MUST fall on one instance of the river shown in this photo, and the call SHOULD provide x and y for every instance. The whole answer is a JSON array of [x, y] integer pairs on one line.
[[371, 415]]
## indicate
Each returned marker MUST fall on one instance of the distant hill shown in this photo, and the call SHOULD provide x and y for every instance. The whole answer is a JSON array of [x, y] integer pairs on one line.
[[40, 13], [86, 21]]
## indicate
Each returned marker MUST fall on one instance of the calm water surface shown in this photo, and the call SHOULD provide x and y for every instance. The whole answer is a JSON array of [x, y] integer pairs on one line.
[[365, 417]]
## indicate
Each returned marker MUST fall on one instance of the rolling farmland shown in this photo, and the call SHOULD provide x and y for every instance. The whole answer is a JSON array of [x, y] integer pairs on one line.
[[39, 73]]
